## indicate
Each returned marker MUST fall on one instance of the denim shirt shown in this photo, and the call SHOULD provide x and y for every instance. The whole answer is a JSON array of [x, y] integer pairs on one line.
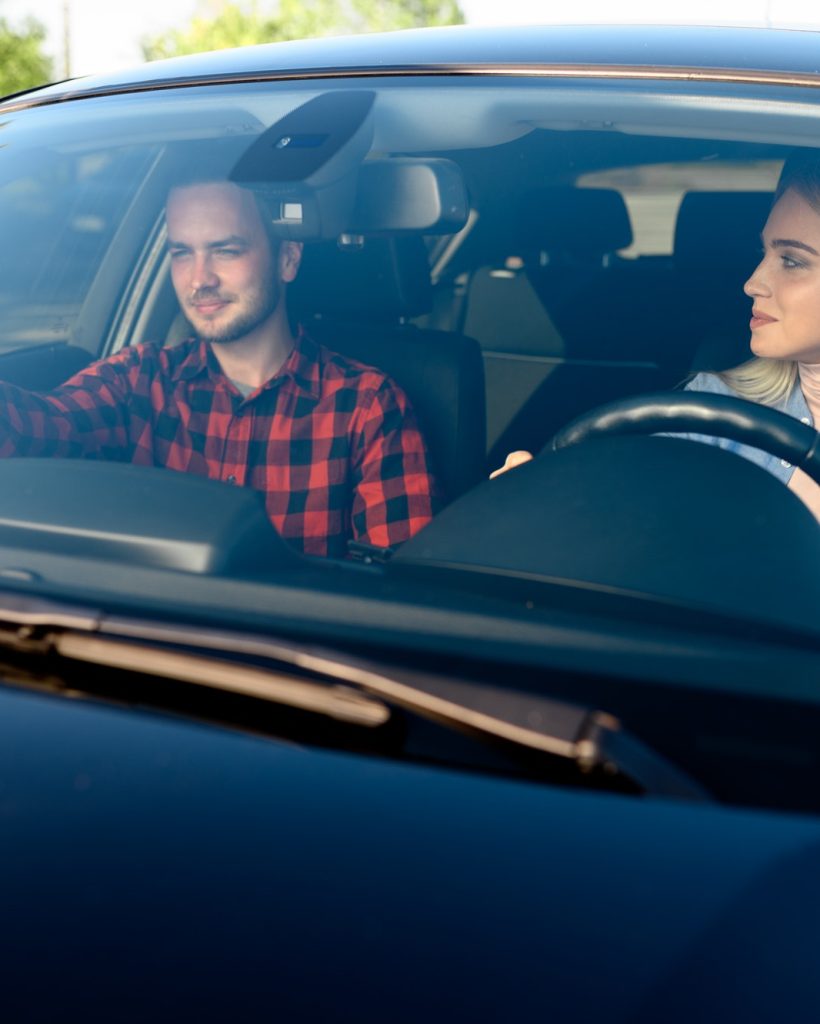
[[794, 404]]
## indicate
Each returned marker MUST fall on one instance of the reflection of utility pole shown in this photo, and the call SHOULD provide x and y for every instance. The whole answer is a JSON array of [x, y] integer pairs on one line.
[[66, 38]]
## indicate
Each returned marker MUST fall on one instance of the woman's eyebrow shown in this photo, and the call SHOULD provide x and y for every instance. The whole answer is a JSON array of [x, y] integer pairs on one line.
[[792, 243]]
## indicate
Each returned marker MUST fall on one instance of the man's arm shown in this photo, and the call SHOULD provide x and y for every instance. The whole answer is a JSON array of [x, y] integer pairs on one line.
[[85, 416], [394, 493]]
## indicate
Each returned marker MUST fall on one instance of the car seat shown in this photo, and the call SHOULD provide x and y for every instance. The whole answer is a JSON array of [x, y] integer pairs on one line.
[[717, 246], [561, 317], [358, 301]]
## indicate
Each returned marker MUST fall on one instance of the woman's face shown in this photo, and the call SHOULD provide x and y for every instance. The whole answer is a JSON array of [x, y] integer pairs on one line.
[[785, 286]]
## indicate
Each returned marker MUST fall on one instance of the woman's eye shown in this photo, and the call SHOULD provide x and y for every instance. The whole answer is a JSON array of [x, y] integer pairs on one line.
[[789, 262]]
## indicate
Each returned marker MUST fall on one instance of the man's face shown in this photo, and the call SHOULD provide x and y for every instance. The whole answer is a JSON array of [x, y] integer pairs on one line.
[[227, 280]]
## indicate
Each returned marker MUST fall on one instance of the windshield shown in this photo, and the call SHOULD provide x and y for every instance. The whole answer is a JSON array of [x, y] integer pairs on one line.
[[326, 311]]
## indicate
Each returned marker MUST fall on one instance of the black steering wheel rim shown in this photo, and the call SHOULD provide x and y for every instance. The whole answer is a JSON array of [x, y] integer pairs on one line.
[[688, 412]]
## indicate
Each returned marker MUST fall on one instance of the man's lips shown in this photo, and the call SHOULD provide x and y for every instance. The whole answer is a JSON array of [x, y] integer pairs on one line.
[[208, 307], [760, 319]]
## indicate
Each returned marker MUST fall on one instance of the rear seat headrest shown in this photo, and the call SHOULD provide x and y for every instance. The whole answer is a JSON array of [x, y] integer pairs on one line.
[[387, 278], [580, 222], [720, 231]]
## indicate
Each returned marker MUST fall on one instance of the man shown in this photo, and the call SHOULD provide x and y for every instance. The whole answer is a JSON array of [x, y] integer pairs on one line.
[[331, 444]]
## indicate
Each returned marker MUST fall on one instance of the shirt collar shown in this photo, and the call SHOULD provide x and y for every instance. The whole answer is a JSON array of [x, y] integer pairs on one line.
[[301, 369], [194, 362], [302, 366]]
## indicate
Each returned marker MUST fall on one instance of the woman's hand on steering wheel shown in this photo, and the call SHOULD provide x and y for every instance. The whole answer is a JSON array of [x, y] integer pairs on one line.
[[513, 459]]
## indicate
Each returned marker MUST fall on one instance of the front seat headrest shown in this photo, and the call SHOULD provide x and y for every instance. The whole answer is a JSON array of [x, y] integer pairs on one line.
[[386, 278], [585, 223], [719, 230]]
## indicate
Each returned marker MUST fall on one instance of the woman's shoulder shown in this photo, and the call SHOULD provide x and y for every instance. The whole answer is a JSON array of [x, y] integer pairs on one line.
[[792, 402], [710, 382]]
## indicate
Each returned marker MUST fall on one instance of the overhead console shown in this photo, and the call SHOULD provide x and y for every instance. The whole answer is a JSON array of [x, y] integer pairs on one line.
[[312, 172]]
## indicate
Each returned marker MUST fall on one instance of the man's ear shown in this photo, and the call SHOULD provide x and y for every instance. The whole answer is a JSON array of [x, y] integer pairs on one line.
[[290, 256]]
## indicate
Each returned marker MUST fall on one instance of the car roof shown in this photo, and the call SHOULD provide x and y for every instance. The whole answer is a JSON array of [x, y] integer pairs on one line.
[[778, 52]]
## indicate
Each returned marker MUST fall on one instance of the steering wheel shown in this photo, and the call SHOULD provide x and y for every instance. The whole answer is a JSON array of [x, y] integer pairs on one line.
[[758, 426]]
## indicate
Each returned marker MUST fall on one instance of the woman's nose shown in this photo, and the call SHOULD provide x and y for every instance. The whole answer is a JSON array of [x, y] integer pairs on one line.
[[756, 285]]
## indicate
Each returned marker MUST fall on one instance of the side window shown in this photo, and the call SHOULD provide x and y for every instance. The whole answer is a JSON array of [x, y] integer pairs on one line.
[[58, 215]]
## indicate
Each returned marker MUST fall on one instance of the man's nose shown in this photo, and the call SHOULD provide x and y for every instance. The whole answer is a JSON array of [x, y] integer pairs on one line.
[[203, 275]]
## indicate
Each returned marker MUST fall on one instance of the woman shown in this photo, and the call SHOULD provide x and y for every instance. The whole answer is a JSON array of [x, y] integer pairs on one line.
[[785, 325]]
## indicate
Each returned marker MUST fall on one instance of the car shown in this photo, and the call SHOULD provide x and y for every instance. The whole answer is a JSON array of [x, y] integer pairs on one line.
[[555, 754]]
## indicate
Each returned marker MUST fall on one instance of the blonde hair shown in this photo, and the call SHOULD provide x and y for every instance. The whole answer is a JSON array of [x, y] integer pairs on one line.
[[769, 381]]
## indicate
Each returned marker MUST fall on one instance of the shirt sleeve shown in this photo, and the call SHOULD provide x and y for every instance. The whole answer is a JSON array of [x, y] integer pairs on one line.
[[86, 416], [394, 491]]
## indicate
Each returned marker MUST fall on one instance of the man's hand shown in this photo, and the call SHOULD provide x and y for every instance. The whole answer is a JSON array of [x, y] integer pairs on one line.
[[513, 459]]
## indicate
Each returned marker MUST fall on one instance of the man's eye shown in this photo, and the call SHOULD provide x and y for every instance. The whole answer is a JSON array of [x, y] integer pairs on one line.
[[177, 254], [229, 253]]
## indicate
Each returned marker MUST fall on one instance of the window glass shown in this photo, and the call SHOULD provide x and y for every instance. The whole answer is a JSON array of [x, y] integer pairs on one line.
[[537, 218], [653, 194]]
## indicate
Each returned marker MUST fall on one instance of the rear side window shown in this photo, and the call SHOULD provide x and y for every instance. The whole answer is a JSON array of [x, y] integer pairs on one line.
[[653, 193]]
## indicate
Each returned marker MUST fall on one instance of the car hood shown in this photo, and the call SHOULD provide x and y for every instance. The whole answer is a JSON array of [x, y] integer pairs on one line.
[[154, 867]]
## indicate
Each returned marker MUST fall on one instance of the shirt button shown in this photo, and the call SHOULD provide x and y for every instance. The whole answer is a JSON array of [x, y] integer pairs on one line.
[[806, 420], [785, 465], [231, 479]]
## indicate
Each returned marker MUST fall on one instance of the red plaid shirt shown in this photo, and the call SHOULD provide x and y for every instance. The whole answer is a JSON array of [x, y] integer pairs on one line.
[[331, 444]]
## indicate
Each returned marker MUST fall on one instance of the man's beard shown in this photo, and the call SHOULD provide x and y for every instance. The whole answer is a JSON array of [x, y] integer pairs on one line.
[[265, 306]]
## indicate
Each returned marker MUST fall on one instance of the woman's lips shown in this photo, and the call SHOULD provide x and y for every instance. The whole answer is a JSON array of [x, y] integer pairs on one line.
[[760, 320]]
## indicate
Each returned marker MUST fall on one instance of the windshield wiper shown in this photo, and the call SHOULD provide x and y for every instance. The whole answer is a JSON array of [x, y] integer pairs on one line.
[[330, 683]]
